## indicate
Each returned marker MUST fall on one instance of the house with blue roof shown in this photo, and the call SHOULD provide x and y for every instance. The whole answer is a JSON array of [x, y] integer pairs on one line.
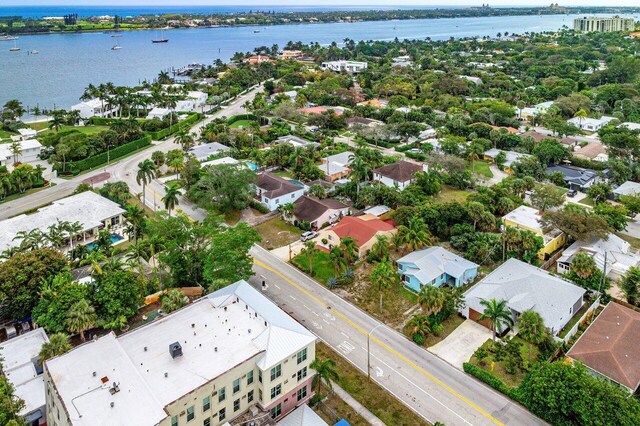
[[435, 266]]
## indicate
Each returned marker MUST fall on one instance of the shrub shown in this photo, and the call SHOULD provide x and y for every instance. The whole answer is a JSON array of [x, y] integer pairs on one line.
[[97, 160], [491, 380], [259, 206], [332, 282], [418, 338], [236, 118]]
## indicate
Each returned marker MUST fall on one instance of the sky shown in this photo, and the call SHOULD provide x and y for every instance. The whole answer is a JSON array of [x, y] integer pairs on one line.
[[316, 2]]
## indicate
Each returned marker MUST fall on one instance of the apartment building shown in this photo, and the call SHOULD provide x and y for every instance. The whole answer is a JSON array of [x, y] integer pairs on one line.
[[603, 25], [230, 357]]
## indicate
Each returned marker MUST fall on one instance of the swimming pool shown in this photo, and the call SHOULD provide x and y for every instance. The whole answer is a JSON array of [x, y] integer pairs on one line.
[[296, 182], [251, 165], [115, 238]]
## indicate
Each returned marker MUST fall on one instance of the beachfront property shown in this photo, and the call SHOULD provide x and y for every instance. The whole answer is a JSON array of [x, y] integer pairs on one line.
[[627, 188], [590, 124], [27, 133], [603, 24], [510, 157], [609, 347], [528, 218], [619, 255], [525, 287], [92, 211], [336, 166], [204, 151], [30, 152], [291, 54], [96, 108], [22, 367], [257, 59], [232, 355], [351, 67], [274, 191], [398, 175], [318, 212], [435, 266]]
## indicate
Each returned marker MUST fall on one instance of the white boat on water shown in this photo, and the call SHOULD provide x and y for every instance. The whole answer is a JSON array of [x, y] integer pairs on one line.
[[33, 52], [116, 47], [15, 47], [7, 38]]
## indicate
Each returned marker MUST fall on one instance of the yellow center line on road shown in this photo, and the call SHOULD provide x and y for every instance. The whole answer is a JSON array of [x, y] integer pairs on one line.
[[385, 346]]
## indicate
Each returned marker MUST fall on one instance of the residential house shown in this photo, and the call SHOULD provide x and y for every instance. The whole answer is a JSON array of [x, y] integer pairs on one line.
[[593, 151], [363, 230], [27, 133], [96, 108], [539, 137], [199, 98], [274, 191], [398, 175], [525, 287], [543, 107], [91, 210], [374, 103], [510, 157], [577, 177], [351, 67], [220, 161], [609, 347], [336, 166], [627, 188], [618, 254], [377, 211], [204, 151], [257, 59], [228, 354], [367, 122], [291, 54], [590, 124], [158, 113], [528, 218], [475, 80], [317, 110], [402, 61], [435, 266], [22, 367], [631, 126], [319, 212], [297, 142], [30, 152]]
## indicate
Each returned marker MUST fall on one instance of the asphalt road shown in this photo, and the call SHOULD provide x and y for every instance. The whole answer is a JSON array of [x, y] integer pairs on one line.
[[432, 388], [126, 170]]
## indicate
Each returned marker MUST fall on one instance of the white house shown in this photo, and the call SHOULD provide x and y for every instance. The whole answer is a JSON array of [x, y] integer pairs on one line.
[[27, 133], [352, 67], [543, 107], [158, 113], [475, 80], [398, 175], [627, 188], [96, 108], [185, 105], [631, 126], [204, 151], [199, 98], [30, 151], [274, 191], [590, 124]]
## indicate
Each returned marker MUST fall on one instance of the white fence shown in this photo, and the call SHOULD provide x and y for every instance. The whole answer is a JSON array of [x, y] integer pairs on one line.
[[575, 327]]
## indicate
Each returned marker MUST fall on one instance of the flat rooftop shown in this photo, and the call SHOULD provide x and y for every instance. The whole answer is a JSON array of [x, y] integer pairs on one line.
[[216, 333]]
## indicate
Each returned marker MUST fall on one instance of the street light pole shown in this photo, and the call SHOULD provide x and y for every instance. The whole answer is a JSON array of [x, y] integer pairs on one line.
[[108, 158], [369, 350]]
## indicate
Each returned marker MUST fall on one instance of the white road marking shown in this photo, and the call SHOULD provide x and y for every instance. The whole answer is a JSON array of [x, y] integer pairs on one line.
[[379, 372], [346, 347], [326, 321], [277, 286], [307, 308], [292, 297], [345, 335]]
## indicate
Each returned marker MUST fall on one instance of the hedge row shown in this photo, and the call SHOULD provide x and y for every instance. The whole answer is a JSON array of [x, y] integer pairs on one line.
[[404, 148], [99, 121], [187, 122], [416, 156], [97, 160], [239, 117], [492, 381]]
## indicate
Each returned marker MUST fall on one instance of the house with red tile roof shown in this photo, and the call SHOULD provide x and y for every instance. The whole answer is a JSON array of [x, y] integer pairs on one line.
[[363, 230], [257, 59], [317, 110]]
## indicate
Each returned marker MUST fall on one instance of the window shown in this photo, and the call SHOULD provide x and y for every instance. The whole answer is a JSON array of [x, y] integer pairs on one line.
[[207, 422], [302, 355], [222, 414], [174, 421], [236, 405], [236, 386], [293, 195], [302, 373], [260, 376], [191, 413], [276, 372], [260, 394], [276, 411], [302, 393], [250, 396], [206, 403], [275, 391], [250, 377], [222, 395]]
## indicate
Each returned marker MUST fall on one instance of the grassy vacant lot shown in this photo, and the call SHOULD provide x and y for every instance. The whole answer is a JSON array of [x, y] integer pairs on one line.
[[381, 403], [322, 267], [480, 168], [450, 194], [277, 233], [497, 367], [87, 130], [241, 123]]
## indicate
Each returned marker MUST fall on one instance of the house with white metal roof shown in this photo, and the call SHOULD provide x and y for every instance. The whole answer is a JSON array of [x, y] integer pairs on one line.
[[435, 266], [96, 108], [230, 354], [29, 152], [203, 151], [627, 188], [525, 287]]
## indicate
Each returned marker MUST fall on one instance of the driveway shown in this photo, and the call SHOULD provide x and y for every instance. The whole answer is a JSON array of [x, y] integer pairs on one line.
[[458, 347]]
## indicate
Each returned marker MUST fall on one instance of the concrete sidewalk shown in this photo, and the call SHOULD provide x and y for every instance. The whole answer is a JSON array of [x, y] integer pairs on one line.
[[359, 408]]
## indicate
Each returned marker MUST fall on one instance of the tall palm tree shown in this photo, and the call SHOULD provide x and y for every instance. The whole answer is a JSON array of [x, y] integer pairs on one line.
[[384, 276], [431, 299], [531, 328], [170, 198], [497, 312], [414, 235], [325, 372], [185, 139], [360, 170], [380, 249], [338, 260], [57, 345], [16, 149], [349, 249], [57, 120], [146, 172], [310, 250], [135, 216], [81, 316]]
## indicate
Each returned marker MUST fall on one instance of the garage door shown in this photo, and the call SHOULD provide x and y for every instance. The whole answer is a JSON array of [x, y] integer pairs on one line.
[[475, 316]]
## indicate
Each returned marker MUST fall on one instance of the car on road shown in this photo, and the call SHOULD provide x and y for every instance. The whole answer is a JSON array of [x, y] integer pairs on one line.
[[309, 235]]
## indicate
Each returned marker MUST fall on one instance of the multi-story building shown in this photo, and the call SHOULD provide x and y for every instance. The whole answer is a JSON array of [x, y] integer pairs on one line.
[[351, 67], [603, 25], [232, 356]]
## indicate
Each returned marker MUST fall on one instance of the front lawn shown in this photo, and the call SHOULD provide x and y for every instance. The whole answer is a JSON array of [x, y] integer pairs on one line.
[[321, 263], [448, 326], [498, 368], [242, 123], [450, 194], [277, 233], [587, 201], [480, 168]]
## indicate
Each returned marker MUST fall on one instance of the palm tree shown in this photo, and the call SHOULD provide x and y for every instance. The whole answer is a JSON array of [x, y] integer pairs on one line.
[[338, 259], [287, 210], [173, 300], [414, 235], [185, 139], [531, 328], [81, 316], [57, 120], [170, 198], [583, 265], [497, 312], [135, 216], [16, 149], [380, 249], [146, 172], [325, 372], [137, 252], [158, 158], [349, 249], [420, 325], [57, 345], [581, 115], [310, 250], [384, 276], [359, 171], [431, 299]]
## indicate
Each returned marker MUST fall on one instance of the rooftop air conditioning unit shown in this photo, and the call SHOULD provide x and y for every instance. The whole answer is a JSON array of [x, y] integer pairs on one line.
[[175, 350]]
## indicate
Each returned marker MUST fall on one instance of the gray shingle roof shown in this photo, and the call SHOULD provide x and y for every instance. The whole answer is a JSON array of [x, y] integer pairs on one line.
[[430, 263]]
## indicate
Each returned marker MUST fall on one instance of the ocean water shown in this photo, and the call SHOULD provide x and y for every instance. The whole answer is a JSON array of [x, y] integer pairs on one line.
[[67, 63]]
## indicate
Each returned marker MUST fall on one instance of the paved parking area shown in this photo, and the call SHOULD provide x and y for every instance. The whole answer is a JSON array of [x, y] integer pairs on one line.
[[458, 347]]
